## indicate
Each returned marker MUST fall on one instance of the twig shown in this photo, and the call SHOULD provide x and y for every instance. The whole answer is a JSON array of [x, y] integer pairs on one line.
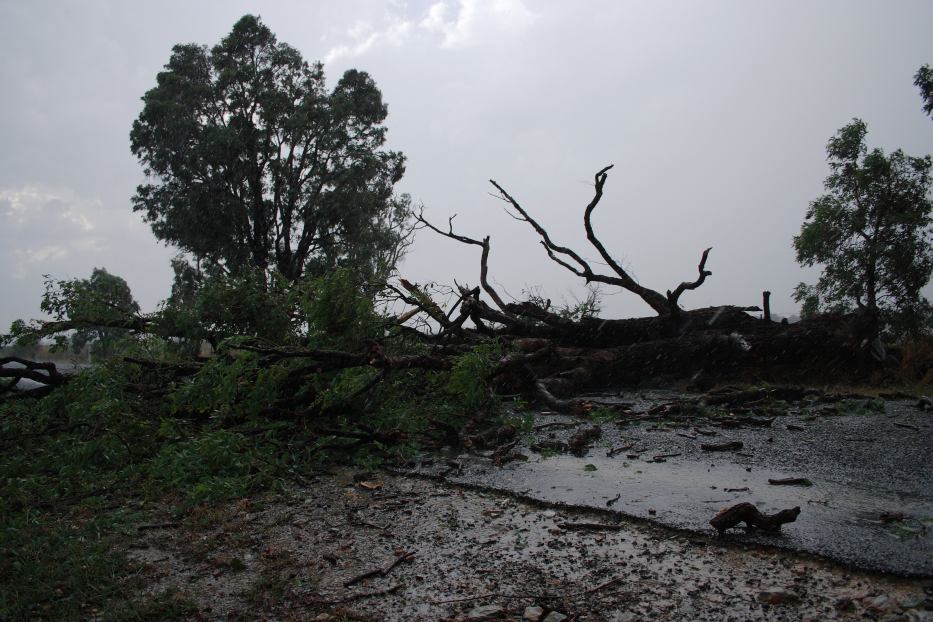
[[360, 596], [590, 526], [380, 572]]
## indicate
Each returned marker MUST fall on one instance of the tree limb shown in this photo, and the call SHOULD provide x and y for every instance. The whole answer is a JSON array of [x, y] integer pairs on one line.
[[673, 296], [484, 259]]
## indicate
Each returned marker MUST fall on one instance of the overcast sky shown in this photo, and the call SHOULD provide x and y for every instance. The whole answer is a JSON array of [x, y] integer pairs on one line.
[[715, 114]]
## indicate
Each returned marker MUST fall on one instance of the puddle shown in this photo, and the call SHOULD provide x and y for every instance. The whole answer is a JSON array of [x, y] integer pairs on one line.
[[855, 486]]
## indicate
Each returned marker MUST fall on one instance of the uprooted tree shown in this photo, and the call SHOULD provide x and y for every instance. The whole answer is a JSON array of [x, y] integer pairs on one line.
[[281, 195], [323, 365]]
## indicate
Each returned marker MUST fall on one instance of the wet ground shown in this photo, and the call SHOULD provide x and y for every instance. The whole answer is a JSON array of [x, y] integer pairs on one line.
[[869, 465], [351, 547]]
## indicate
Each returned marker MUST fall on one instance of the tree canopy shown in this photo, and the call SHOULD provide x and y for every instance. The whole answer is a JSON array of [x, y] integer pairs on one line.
[[871, 231], [252, 163]]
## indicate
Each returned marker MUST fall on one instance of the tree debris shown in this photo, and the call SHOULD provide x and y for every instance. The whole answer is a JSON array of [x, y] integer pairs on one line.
[[749, 514]]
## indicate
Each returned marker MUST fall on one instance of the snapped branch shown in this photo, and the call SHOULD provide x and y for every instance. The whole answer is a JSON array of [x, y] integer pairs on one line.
[[484, 259]]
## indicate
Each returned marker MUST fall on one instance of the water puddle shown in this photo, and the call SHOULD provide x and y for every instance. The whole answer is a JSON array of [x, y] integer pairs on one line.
[[873, 519]]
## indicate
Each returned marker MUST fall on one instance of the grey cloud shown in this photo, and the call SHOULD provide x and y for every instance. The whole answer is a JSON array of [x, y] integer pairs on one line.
[[716, 116]]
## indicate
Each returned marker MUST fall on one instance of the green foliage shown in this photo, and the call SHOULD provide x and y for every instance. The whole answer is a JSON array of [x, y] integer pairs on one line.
[[339, 312], [469, 379], [99, 312], [589, 307], [55, 569], [255, 164], [923, 80], [233, 389], [214, 466], [578, 310], [872, 233], [252, 303], [603, 414], [809, 299]]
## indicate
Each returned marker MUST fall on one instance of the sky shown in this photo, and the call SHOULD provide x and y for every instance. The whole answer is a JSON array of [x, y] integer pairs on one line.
[[715, 114]]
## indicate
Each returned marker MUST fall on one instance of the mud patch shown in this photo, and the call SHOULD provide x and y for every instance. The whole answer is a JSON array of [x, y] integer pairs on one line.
[[465, 553]]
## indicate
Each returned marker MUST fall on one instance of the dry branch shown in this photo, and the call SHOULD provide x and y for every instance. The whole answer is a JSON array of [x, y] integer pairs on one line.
[[484, 259], [45, 374], [574, 262], [749, 514]]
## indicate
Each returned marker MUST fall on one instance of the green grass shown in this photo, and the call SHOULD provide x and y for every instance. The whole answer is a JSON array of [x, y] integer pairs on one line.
[[80, 468]]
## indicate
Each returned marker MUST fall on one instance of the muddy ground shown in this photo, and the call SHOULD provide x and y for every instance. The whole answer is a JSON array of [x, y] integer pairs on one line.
[[866, 466], [354, 547]]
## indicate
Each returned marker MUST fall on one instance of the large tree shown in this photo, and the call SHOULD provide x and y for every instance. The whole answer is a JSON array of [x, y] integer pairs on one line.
[[871, 231], [253, 164]]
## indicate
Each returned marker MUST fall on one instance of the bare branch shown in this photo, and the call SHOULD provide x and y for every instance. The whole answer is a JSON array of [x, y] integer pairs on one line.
[[672, 297], [654, 299], [484, 259]]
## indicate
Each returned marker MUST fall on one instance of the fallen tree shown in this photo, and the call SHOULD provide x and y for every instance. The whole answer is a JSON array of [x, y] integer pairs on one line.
[[547, 355]]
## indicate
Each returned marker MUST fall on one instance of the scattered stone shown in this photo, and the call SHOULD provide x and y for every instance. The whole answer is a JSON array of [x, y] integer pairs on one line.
[[778, 597], [533, 614], [554, 616], [484, 612]]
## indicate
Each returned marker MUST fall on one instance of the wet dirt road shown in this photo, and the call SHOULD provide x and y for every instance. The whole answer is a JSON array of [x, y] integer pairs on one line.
[[870, 504]]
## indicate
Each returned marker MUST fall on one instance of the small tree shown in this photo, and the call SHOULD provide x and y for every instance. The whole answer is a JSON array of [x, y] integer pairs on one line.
[[254, 165], [872, 232]]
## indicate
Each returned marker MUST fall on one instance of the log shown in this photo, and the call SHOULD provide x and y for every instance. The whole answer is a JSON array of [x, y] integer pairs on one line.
[[749, 514]]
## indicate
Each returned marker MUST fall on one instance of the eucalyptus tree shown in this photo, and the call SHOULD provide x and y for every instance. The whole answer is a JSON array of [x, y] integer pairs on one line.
[[871, 232], [253, 164]]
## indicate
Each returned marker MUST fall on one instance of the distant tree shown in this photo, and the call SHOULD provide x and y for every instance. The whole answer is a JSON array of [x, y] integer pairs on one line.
[[253, 164], [923, 79], [104, 299], [872, 233]]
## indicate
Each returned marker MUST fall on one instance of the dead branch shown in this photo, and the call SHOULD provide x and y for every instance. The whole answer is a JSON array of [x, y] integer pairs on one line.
[[380, 572], [653, 298], [484, 259], [424, 301], [749, 514], [572, 261], [45, 374], [672, 297]]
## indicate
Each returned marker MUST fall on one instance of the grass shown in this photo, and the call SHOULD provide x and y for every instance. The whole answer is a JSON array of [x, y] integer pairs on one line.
[[82, 467], [79, 470]]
